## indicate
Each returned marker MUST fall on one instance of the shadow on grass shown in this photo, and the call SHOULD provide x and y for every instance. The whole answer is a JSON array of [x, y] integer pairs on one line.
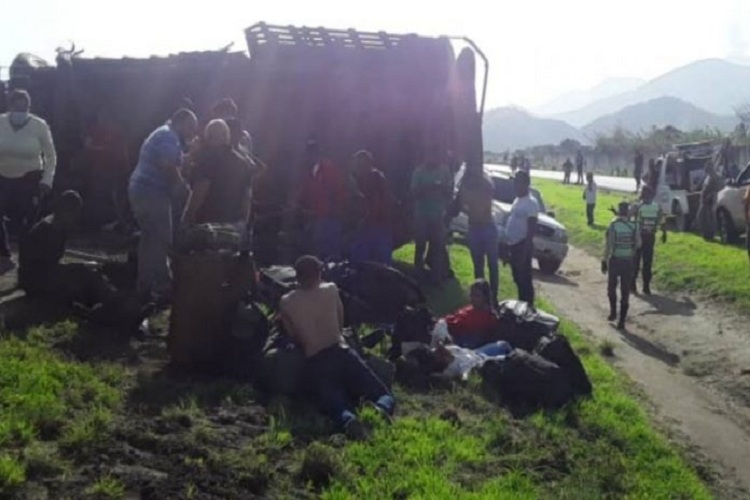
[[555, 279], [650, 349], [668, 307]]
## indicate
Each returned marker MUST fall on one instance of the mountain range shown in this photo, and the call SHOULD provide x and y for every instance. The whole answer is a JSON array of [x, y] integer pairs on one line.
[[698, 95]]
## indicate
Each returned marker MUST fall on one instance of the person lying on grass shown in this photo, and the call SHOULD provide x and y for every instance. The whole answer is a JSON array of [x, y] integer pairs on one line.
[[41, 274], [313, 316], [476, 324]]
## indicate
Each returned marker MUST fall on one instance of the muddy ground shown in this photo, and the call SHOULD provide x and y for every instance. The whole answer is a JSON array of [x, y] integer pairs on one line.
[[690, 358]]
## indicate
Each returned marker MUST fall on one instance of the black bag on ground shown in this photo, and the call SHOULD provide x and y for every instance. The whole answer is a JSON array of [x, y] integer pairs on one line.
[[281, 366], [412, 325], [557, 349], [274, 283], [386, 291], [527, 380], [248, 337], [522, 326]]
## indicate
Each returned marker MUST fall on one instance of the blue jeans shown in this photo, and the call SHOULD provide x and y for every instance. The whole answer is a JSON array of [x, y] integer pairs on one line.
[[327, 237], [483, 244], [500, 348], [338, 378], [372, 244]]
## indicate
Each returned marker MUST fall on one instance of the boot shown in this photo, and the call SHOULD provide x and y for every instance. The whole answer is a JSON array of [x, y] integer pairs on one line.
[[612, 309], [623, 315], [647, 288], [634, 288]]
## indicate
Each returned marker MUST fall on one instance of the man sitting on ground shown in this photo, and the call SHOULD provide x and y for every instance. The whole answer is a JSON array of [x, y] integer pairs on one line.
[[41, 274], [313, 316]]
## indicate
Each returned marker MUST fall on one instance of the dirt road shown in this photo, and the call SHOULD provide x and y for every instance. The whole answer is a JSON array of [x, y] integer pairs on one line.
[[692, 361]]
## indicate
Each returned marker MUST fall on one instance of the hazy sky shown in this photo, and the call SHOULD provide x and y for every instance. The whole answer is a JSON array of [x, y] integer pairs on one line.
[[538, 49]]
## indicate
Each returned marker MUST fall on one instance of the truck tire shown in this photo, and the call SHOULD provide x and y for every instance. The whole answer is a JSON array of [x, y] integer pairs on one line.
[[549, 266], [727, 232]]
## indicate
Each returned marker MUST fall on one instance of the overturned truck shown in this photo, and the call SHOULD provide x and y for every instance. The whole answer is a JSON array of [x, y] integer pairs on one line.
[[395, 95]]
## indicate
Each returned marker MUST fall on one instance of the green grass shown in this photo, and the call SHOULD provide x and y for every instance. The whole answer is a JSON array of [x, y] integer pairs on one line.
[[685, 263], [45, 397], [60, 416]]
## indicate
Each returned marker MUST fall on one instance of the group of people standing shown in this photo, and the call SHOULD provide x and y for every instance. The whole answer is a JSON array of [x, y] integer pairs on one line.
[[630, 242], [580, 164]]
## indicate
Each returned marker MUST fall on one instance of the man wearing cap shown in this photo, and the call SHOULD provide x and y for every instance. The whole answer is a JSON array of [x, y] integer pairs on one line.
[[623, 239], [648, 219], [313, 316]]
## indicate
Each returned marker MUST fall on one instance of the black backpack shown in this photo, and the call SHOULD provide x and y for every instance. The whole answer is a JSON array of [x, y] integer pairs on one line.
[[522, 326], [557, 349], [525, 380], [414, 324]]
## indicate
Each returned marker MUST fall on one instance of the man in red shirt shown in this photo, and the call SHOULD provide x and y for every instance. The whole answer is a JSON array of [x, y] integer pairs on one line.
[[324, 196], [477, 324], [373, 241]]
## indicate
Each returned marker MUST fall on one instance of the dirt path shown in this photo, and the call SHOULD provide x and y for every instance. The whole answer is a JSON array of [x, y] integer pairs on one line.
[[692, 361]]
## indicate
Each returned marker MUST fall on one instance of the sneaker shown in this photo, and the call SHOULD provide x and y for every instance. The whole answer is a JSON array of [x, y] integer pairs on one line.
[[6, 265], [355, 430], [621, 325], [612, 317]]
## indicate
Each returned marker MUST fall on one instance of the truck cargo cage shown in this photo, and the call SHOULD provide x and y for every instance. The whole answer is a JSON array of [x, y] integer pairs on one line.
[[265, 34]]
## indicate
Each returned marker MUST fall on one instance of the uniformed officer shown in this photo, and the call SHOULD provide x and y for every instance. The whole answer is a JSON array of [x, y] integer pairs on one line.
[[623, 238], [648, 217]]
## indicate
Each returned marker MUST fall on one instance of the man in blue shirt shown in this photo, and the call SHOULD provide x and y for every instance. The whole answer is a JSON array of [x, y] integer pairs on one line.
[[157, 192], [520, 236]]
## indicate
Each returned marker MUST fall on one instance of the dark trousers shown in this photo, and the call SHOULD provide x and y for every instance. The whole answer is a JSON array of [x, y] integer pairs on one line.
[[620, 271], [590, 214], [637, 175], [747, 239], [520, 263], [579, 171], [566, 177], [338, 378], [644, 256], [483, 245], [17, 204], [431, 231]]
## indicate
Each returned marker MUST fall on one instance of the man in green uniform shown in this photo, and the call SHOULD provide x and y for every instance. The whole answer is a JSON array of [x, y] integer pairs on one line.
[[623, 239], [648, 218]]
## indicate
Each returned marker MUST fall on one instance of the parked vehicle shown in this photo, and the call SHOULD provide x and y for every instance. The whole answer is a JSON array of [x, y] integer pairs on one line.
[[730, 208], [676, 181], [551, 239]]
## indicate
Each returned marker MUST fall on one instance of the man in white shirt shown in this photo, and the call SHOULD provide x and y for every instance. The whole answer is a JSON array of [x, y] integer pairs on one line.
[[337, 377], [520, 231], [27, 167], [589, 194]]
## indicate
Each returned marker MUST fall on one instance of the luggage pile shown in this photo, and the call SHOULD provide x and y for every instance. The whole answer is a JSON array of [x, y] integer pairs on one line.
[[226, 328]]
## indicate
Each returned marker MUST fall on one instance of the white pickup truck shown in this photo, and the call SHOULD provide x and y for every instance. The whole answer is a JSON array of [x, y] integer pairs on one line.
[[730, 208]]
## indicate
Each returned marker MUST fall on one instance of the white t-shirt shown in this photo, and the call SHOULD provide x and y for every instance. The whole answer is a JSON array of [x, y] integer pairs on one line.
[[591, 194], [522, 210]]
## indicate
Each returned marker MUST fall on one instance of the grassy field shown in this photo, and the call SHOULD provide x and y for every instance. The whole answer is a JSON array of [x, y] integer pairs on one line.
[[685, 263], [108, 428]]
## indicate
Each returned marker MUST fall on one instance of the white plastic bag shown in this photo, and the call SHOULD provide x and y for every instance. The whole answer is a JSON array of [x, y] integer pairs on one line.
[[440, 334]]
